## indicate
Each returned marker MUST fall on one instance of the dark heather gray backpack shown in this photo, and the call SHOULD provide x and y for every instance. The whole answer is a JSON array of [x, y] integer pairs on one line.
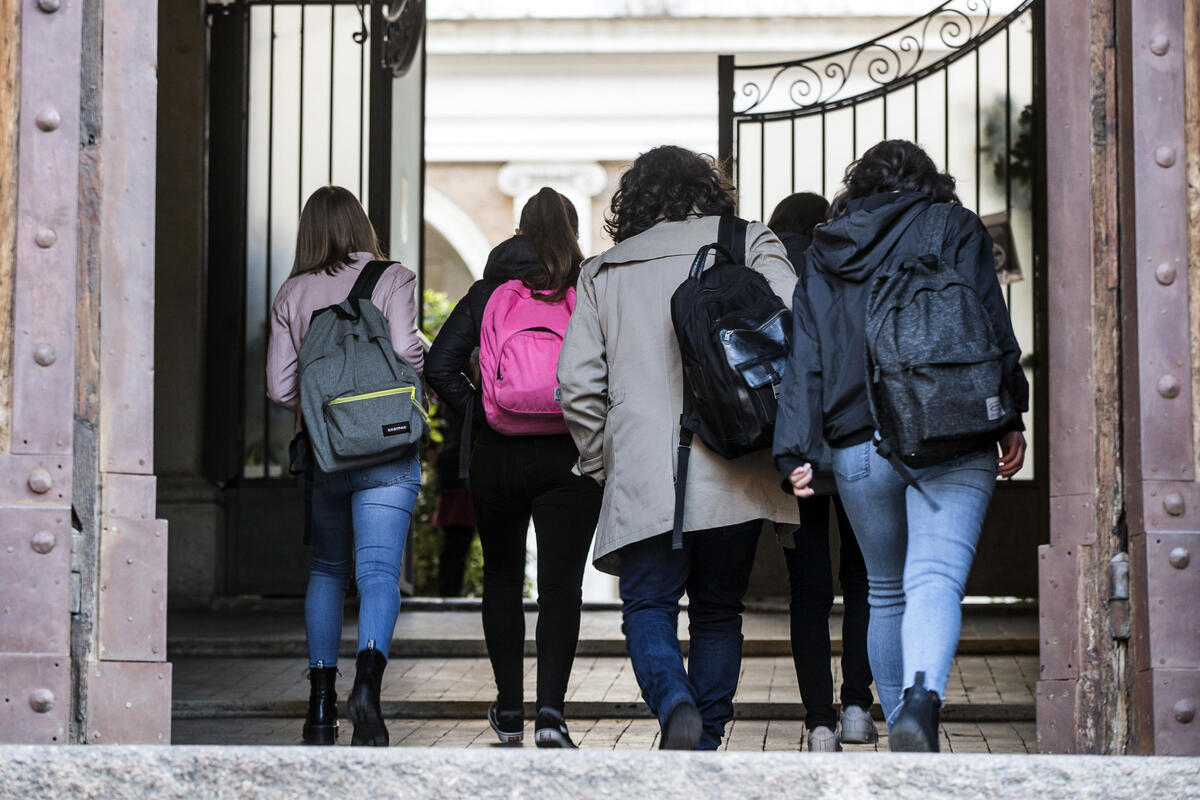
[[935, 372], [362, 404]]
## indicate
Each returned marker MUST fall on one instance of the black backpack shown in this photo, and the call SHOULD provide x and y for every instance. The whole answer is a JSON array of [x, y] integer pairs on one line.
[[935, 370], [734, 337]]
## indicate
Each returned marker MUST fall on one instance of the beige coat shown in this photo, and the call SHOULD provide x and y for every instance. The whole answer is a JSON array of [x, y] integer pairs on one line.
[[622, 392]]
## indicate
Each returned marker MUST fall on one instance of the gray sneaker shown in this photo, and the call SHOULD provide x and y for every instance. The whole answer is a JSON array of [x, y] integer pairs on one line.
[[858, 727], [823, 740]]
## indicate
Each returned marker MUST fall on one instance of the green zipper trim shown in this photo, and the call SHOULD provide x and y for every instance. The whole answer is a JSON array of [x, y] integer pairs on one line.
[[411, 390]]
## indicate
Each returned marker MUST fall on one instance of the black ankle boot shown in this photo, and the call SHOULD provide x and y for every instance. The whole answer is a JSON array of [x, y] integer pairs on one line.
[[363, 705], [320, 726], [916, 727]]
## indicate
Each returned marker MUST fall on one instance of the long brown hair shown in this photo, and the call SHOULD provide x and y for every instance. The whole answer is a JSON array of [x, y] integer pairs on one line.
[[551, 224], [332, 226]]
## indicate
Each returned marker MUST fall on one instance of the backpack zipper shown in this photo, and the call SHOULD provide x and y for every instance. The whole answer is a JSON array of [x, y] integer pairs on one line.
[[411, 391], [372, 395], [539, 329]]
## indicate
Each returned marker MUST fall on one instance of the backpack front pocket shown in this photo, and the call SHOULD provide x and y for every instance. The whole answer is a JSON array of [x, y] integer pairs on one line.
[[386, 419]]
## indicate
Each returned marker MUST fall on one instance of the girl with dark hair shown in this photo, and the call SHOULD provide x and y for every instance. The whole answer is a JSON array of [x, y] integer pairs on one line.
[[809, 565], [515, 477], [918, 549], [360, 516], [622, 389]]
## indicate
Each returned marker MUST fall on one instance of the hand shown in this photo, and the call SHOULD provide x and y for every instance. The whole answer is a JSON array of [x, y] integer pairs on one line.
[[800, 479], [1012, 454]]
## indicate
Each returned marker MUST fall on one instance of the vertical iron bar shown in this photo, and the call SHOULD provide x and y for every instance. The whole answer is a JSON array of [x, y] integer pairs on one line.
[[300, 118], [362, 88], [725, 112], [1008, 122], [379, 143], [332, 27], [225, 412], [978, 111], [854, 132], [824, 158], [266, 430], [916, 113], [884, 99], [762, 168], [946, 118], [793, 161], [1008, 143]]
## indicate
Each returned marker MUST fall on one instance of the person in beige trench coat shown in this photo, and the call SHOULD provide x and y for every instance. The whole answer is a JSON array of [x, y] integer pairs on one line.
[[621, 379]]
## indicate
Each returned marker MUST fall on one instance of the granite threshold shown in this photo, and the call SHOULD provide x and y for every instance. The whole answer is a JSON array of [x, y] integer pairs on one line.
[[201, 772]]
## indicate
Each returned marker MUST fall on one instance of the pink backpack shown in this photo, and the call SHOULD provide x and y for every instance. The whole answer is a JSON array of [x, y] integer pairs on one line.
[[519, 343]]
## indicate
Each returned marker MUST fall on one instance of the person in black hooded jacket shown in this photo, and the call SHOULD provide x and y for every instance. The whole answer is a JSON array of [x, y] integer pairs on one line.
[[918, 554], [810, 571], [514, 478]]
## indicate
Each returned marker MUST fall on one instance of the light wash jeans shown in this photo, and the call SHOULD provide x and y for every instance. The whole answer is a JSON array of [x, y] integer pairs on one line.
[[917, 560], [367, 511]]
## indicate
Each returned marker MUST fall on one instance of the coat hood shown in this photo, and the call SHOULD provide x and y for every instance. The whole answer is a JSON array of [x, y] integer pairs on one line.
[[855, 243], [513, 258]]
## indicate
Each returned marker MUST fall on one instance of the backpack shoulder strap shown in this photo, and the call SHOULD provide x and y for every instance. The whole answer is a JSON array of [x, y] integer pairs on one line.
[[934, 230], [370, 275], [731, 234]]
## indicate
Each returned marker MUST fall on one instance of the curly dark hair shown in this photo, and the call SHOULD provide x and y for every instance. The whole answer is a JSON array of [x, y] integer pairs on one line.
[[667, 183], [894, 165]]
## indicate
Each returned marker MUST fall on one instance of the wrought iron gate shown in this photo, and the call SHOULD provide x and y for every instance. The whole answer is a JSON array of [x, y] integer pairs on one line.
[[302, 94], [963, 82]]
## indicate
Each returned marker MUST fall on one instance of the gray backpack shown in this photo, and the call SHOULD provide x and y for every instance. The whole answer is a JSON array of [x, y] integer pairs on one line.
[[935, 371], [362, 404]]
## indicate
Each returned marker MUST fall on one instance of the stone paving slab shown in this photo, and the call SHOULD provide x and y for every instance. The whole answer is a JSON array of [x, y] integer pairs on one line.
[[981, 687], [199, 773], [591, 734], [259, 633]]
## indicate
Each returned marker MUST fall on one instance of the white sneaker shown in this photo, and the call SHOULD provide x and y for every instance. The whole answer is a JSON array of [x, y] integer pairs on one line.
[[823, 740], [858, 727]]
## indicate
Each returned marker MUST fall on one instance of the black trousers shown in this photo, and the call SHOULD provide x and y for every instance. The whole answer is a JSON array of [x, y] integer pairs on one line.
[[514, 478], [810, 574]]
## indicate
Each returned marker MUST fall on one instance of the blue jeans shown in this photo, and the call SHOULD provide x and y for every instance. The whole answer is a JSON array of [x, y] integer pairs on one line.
[[714, 567], [917, 560], [367, 511]]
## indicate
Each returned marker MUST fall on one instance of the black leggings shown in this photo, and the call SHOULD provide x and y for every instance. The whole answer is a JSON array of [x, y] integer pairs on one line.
[[810, 574], [512, 479]]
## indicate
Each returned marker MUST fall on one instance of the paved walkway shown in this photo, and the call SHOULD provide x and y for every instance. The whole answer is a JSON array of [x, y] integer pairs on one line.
[[239, 678]]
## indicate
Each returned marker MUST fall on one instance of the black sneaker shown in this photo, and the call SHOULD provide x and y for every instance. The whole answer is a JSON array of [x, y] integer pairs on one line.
[[916, 727], [509, 725], [550, 730], [683, 728]]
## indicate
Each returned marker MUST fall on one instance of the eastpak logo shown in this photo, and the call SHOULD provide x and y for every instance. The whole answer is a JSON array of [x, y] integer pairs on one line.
[[396, 428]]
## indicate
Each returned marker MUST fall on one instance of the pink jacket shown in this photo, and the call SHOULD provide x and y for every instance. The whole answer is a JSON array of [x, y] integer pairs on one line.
[[394, 295]]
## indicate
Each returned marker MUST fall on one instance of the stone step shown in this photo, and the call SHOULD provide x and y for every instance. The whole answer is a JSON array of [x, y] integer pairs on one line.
[[459, 634], [477, 709], [138, 772]]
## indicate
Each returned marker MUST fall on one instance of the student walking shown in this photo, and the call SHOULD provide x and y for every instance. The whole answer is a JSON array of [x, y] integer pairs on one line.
[[623, 394], [520, 465], [809, 565], [359, 515], [903, 268]]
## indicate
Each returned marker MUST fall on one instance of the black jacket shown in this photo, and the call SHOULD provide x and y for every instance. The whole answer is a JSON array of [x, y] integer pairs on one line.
[[449, 359], [824, 392]]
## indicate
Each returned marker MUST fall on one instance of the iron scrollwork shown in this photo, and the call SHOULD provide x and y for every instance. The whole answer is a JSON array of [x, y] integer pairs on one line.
[[403, 25], [898, 56]]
